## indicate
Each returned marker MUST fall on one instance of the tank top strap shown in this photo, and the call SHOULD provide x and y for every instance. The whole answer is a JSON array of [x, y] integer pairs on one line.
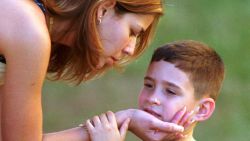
[[40, 4], [2, 72], [2, 59]]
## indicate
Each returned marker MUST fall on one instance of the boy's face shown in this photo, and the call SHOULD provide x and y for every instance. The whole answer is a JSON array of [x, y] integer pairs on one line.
[[166, 90]]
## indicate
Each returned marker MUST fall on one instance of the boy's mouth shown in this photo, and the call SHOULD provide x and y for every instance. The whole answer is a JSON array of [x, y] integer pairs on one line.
[[152, 112]]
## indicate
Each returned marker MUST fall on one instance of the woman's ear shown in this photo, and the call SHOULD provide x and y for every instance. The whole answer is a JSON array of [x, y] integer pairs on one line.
[[205, 110], [104, 6]]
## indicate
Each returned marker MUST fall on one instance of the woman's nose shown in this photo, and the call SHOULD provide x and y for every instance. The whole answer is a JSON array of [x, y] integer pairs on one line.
[[130, 48]]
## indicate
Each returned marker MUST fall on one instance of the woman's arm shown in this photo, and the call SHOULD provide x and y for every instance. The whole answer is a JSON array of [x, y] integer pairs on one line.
[[145, 131], [25, 45], [74, 134]]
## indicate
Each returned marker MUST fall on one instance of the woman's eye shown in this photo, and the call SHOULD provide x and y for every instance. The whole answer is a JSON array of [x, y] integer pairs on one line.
[[133, 33]]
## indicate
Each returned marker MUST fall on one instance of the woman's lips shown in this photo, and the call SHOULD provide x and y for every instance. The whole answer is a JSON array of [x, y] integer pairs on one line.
[[115, 59]]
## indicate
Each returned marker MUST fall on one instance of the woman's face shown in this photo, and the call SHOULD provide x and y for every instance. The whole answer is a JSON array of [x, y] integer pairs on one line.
[[118, 34]]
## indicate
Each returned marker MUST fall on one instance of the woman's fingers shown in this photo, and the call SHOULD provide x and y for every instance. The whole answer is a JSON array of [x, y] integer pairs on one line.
[[179, 115], [166, 126], [188, 123], [186, 117]]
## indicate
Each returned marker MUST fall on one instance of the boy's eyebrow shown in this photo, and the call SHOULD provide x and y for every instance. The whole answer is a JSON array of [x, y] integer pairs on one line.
[[172, 85], [148, 78]]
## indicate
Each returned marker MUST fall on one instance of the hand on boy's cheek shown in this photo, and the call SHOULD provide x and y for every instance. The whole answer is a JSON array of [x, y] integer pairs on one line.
[[182, 118], [147, 127]]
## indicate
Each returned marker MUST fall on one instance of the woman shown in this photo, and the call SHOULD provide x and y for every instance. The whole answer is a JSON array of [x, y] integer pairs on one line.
[[73, 40]]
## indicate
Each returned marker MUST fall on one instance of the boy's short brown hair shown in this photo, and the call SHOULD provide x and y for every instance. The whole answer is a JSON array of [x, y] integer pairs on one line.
[[202, 64]]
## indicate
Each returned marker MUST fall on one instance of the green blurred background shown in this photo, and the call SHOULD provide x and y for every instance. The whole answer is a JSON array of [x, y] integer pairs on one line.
[[222, 24]]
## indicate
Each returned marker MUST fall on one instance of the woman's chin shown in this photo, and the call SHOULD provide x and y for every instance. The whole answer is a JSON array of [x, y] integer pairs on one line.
[[108, 63], [99, 66]]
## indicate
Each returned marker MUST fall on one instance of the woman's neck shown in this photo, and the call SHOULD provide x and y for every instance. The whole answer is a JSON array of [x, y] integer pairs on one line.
[[60, 30]]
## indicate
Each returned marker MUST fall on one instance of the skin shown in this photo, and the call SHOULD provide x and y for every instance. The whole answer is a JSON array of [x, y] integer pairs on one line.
[[168, 94], [21, 98], [166, 91], [104, 127], [25, 43], [119, 33]]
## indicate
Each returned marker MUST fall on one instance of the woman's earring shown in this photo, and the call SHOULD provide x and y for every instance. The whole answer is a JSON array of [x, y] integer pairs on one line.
[[99, 20]]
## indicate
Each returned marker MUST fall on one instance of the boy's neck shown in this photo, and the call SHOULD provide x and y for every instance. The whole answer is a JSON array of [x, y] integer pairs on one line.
[[188, 136]]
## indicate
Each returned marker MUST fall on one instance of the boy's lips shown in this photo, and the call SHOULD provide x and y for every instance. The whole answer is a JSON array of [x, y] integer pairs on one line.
[[152, 112]]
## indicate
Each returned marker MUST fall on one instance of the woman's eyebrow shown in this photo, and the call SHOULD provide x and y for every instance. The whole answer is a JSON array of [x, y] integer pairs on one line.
[[140, 27]]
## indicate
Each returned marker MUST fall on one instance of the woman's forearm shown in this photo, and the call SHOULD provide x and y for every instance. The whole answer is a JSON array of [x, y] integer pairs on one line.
[[74, 134], [81, 133]]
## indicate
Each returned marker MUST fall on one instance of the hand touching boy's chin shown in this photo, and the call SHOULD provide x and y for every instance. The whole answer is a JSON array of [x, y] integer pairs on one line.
[[181, 117], [147, 126]]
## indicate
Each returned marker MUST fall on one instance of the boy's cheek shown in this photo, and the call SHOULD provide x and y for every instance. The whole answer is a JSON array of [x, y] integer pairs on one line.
[[169, 114], [141, 100]]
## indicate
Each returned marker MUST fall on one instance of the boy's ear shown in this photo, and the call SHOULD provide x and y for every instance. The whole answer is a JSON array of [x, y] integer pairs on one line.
[[104, 6], [205, 110]]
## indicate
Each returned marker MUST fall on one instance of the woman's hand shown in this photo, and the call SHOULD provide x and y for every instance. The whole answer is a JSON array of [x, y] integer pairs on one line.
[[104, 128], [147, 127], [182, 118]]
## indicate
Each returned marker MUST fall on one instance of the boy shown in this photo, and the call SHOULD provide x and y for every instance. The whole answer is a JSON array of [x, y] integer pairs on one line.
[[181, 74]]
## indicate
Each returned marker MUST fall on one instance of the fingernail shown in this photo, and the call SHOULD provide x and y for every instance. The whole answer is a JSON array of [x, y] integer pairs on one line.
[[197, 108], [128, 120], [191, 112], [185, 108], [184, 136], [192, 121], [181, 128]]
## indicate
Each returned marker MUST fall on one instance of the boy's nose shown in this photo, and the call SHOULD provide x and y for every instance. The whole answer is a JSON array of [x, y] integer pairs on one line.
[[153, 100]]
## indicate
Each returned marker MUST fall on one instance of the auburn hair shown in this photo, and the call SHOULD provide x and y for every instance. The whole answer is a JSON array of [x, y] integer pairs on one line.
[[78, 63], [202, 64]]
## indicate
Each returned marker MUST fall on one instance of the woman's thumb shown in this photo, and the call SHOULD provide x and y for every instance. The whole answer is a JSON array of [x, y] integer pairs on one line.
[[124, 128]]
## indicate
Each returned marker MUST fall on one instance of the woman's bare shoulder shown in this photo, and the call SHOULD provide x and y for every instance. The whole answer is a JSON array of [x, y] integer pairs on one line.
[[22, 22]]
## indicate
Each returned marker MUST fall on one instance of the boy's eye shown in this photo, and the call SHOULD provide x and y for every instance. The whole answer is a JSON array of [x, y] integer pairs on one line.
[[171, 92], [148, 85]]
